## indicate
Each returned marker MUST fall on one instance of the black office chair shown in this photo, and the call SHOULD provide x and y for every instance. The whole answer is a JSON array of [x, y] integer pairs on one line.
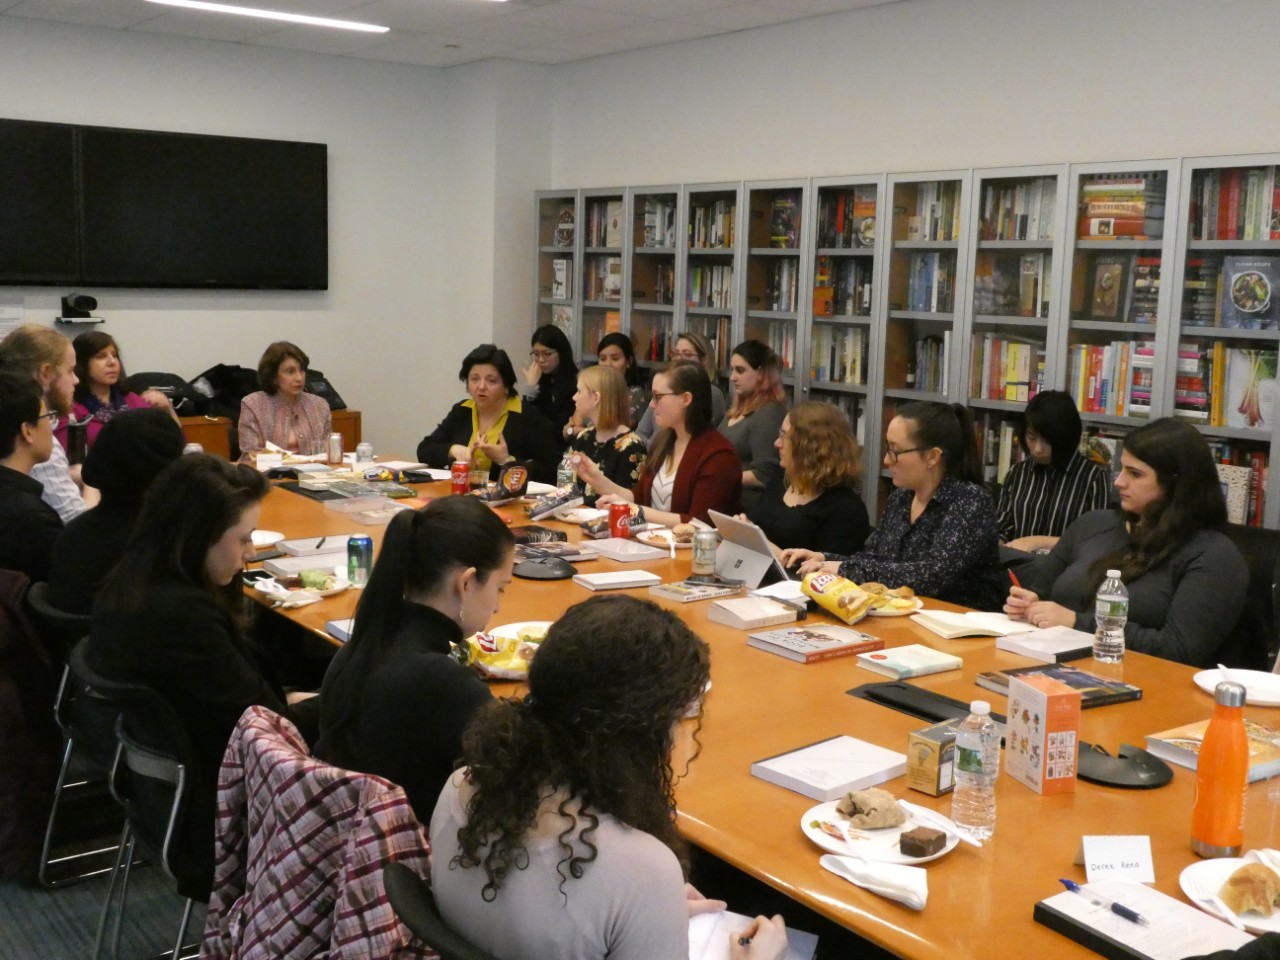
[[413, 903], [1255, 642], [59, 629], [149, 779]]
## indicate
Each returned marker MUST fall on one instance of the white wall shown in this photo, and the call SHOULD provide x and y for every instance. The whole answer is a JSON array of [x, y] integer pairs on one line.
[[375, 331], [928, 85]]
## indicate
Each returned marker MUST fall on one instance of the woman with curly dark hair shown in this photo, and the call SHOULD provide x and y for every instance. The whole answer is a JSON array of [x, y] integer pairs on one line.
[[1185, 577], [814, 504], [567, 798]]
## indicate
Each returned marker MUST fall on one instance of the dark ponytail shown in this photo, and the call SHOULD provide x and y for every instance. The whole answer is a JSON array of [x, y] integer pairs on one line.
[[949, 427], [419, 550]]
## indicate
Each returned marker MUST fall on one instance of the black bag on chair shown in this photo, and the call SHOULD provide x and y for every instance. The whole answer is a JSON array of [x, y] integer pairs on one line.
[[187, 402], [225, 386]]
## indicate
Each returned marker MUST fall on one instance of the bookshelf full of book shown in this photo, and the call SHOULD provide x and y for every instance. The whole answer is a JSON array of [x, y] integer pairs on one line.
[[1228, 321], [605, 267], [709, 261], [1013, 311], [555, 291], [775, 282], [844, 318], [655, 219]]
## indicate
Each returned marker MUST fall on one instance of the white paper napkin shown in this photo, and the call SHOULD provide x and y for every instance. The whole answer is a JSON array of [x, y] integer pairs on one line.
[[897, 881]]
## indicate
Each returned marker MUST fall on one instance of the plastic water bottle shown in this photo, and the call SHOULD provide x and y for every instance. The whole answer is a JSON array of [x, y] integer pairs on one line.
[[564, 473], [1110, 614], [973, 802]]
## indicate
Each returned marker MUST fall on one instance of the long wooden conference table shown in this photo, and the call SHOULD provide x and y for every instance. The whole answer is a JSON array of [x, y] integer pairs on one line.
[[980, 900]]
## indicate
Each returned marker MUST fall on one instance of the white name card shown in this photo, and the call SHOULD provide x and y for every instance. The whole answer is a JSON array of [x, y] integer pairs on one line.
[[1119, 858]]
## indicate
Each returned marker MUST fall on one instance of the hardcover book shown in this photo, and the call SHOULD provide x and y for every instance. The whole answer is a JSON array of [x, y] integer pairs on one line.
[[748, 613], [913, 660], [1049, 645], [1251, 389], [617, 580], [830, 768], [810, 643], [1249, 298], [1181, 745], [683, 591], [1095, 691]]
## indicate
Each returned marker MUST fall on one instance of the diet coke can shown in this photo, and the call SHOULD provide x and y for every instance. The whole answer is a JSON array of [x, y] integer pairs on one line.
[[619, 520], [460, 476]]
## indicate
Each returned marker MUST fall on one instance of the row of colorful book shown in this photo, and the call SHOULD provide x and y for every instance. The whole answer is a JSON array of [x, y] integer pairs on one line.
[[659, 222], [1021, 210], [847, 218], [783, 291], [719, 333], [1236, 203], [931, 284], [839, 354], [1235, 292], [1113, 378], [1122, 205], [1005, 368], [1119, 287], [713, 225], [998, 444], [937, 212], [1011, 285], [604, 223], [1226, 386], [842, 288], [781, 338], [928, 370], [710, 286]]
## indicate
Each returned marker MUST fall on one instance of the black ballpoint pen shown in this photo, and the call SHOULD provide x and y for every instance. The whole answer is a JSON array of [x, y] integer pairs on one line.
[[1119, 909]]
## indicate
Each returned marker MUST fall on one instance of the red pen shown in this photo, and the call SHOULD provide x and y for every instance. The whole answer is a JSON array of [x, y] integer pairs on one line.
[[1014, 577]]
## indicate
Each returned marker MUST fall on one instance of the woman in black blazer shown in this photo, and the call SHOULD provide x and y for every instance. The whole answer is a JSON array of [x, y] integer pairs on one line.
[[494, 425]]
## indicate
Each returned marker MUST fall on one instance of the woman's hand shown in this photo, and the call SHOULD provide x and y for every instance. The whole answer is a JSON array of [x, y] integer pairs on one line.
[[697, 903], [156, 399], [1016, 604], [767, 940], [532, 373], [460, 453], [585, 468], [798, 555], [496, 452], [1046, 613]]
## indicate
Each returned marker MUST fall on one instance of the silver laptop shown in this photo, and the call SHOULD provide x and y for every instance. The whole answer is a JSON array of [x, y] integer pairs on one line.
[[744, 553]]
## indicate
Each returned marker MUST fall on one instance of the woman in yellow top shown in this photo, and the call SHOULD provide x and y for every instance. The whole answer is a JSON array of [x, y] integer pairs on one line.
[[493, 426]]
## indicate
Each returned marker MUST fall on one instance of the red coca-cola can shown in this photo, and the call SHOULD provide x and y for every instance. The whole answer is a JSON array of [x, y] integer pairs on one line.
[[619, 520], [460, 476]]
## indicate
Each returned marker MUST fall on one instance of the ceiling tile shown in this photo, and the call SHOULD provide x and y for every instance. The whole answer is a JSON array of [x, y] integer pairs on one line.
[[568, 20], [117, 14], [317, 40], [421, 17], [504, 32], [207, 26], [633, 38], [433, 50], [653, 9], [744, 16]]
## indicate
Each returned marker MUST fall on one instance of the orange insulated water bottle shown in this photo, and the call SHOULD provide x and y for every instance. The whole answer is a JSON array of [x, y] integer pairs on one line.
[[1217, 817]]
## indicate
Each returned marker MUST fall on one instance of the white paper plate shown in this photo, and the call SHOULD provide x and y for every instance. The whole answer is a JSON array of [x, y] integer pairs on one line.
[[1261, 689], [662, 539], [905, 612], [273, 588], [1212, 874], [265, 538], [580, 514], [511, 631], [881, 845]]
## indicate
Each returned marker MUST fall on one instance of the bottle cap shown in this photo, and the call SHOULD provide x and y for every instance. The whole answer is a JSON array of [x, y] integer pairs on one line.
[[1229, 694], [980, 707], [1113, 574]]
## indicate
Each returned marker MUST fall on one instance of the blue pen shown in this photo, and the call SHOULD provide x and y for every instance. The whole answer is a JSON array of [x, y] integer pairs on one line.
[[1119, 909]]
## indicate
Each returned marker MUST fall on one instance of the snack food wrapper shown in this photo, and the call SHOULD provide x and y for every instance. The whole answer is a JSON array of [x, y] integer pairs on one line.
[[839, 597], [498, 658]]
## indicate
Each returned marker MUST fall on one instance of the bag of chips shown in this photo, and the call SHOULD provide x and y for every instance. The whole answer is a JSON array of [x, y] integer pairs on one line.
[[839, 597]]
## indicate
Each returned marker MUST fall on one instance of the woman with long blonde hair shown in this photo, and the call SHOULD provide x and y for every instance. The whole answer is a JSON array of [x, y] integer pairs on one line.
[[608, 446]]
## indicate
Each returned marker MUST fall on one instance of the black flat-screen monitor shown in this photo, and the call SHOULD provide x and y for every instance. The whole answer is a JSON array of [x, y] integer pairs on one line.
[[187, 210], [37, 203]]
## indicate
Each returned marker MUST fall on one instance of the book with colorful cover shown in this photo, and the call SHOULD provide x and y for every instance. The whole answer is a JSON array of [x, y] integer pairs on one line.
[[912, 660], [1181, 745], [683, 591], [1250, 299], [1250, 382], [812, 642], [1095, 691]]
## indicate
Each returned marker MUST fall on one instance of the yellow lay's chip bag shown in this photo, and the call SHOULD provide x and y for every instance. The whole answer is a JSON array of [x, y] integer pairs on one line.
[[839, 597]]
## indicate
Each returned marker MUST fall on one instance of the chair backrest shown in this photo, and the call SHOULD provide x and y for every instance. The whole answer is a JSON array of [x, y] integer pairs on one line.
[[1254, 643], [59, 629], [149, 775], [413, 903]]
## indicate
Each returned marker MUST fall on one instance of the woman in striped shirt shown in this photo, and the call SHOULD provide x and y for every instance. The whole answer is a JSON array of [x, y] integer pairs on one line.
[[1054, 483]]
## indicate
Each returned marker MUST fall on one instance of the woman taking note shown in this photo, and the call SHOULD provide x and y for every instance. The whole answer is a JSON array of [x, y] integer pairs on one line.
[[550, 378], [1186, 579], [814, 504], [165, 619], [494, 425], [691, 346], [1054, 484], [394, 702], [608, 446], [938, 532], [753, 420], [282, 412], [691, 468], [103, 390], [557, 840], [616, 351]]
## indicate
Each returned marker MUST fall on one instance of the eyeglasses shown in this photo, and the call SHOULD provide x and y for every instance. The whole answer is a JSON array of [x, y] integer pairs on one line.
[[542, 354], [50, 415], [891, 455], [656, 396], [685, 355]]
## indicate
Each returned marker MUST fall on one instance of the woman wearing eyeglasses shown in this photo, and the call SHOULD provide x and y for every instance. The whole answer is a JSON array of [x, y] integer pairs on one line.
[[551, 377], [691, 468], [695, 348], [938, 532]]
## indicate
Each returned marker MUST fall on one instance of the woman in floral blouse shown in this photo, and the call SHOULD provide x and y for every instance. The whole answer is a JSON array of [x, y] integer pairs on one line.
[[608, 448]]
